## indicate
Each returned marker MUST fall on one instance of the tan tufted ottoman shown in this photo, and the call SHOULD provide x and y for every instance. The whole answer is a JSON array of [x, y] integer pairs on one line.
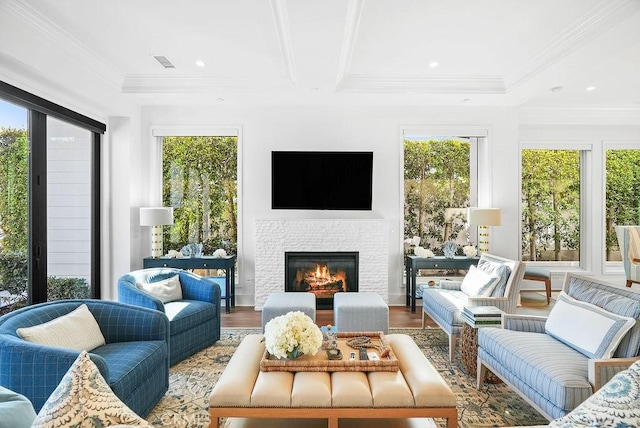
[[416, 391]]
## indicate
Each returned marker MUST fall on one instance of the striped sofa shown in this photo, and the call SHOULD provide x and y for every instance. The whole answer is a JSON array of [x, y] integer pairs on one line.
[[552, 372]]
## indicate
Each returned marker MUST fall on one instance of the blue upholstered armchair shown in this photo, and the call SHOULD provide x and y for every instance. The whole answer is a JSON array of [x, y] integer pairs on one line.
[[444, 304], [134, 361], [629, 241], [194, 318]]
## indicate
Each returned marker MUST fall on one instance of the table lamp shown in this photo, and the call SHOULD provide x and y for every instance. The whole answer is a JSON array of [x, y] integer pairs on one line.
[[483, 218], [156, 218]]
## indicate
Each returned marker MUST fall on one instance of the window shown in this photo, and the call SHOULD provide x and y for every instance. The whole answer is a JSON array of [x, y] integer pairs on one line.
[[552, 191], [49, 211], [622, 199], [440, 182], [199, 176]]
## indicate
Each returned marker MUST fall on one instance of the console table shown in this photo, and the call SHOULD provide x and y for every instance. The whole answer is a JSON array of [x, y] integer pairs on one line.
[[227, 263], [414, 263]]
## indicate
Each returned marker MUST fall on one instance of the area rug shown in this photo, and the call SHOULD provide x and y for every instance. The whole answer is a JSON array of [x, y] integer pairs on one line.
[[191, 381]]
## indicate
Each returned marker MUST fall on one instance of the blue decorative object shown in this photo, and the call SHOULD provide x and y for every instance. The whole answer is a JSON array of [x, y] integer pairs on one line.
[[449, 249], [192, 250]]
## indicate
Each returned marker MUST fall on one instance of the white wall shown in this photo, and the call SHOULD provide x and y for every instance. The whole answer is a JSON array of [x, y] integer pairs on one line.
[[376, 129]]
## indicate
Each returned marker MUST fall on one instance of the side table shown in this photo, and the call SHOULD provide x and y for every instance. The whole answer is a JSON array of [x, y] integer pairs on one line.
[[469, 352]]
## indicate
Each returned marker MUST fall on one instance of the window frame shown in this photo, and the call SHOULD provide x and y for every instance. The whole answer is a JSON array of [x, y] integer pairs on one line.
[[586, 205], [611, 267], [479, 194], [38, 109]]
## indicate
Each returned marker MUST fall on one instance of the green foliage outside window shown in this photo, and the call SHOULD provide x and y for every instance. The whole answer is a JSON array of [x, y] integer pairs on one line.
[[200, 183], [436, 177], [623, 194]]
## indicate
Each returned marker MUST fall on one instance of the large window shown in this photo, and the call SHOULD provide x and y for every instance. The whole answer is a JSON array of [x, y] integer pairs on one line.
[[440, 182], [200, 183], [551, 204], [49, 202], [622, 199]]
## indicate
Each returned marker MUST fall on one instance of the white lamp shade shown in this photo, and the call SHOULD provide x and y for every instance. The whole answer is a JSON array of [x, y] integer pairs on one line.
[[156, 216], [484, 216]]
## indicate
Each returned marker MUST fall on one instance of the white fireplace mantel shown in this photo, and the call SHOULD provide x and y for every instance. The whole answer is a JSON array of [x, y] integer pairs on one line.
[[369, 237]]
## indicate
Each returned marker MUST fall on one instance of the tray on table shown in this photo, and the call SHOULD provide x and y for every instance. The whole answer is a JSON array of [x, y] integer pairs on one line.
[[321, 363]]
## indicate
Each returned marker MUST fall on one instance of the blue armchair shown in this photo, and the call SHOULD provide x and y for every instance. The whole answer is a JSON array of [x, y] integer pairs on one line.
[[134, 361], [194, 321]]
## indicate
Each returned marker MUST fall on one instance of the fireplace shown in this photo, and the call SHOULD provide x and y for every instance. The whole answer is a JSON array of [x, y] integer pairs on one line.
[[321, 273]]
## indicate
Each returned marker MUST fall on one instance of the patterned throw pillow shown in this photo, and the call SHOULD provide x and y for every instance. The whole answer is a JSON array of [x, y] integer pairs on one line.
[[83, 399], [167, 290], [615, 405]]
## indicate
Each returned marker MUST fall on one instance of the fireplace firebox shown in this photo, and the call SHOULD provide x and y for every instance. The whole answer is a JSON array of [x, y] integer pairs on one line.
[[321, 273]]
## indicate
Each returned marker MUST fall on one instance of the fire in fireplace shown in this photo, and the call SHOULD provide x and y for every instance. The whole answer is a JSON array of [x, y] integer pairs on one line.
[[321, 273]]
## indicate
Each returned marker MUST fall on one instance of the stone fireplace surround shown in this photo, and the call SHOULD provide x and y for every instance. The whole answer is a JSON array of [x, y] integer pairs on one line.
[[370, 237]]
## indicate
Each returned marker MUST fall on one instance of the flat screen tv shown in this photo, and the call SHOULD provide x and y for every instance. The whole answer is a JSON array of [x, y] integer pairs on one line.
[[321, 180]]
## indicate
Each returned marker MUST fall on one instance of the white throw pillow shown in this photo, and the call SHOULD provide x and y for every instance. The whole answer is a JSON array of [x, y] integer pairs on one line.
[[84, 399], [167, 290], [76, 330], [589, 329], [478, 283]]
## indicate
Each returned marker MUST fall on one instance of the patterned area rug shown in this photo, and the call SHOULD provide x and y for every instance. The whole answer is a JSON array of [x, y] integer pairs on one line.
[[186, 402]]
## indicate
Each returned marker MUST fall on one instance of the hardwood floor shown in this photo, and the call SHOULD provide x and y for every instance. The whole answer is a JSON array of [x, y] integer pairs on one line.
[[247, 316], [533, 303]]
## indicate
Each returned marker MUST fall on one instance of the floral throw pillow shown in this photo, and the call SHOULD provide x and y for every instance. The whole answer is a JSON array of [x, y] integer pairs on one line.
[[615, 405], [84, 399]]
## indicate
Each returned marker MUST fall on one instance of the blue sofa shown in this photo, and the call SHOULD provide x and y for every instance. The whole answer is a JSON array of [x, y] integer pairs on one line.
[[134, 361], [194, 321]]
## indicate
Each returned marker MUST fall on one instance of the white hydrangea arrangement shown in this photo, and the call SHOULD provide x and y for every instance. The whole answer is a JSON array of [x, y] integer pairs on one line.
[[291, 335]]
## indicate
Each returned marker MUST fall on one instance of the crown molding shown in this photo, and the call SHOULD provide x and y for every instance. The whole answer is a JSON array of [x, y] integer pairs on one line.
[[152, 83], [283, 33], [601, 18], [360, 83], [618, 116], [50, 33]]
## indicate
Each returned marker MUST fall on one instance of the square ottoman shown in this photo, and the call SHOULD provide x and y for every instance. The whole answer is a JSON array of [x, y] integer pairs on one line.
[[364, 311], [280, 303]]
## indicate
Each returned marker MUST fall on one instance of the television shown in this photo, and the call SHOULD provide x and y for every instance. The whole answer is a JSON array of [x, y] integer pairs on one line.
[[321, 180]]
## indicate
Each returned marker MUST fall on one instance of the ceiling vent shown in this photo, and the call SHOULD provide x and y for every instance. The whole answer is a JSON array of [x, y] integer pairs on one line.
[[164, 61]]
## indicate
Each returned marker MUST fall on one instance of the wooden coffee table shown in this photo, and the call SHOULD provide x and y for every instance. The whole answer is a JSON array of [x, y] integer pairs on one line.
[[415, 391]]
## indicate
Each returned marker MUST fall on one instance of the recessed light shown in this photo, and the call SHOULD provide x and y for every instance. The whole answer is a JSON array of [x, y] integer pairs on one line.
[[220, 100], [200, 63], [591, 88], [433, 64], [556, 89], [466, 100]]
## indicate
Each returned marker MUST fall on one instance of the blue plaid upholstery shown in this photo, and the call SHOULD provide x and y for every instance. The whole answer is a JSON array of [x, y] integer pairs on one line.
[[194, 321], [545, 371], [135, 337]]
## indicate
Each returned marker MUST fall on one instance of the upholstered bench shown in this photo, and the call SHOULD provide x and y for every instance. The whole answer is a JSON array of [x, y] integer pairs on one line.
[[363, 311], [280, 303], [415, 391]]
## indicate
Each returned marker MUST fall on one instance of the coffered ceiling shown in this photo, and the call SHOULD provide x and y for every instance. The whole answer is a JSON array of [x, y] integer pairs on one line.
[[379, 52]]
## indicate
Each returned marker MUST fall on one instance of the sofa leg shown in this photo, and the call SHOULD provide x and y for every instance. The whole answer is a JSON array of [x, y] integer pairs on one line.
[[452, 347], [423, 315], [482, 372]]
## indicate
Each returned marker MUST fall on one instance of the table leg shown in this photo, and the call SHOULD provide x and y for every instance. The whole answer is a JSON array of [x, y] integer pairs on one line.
[[333, 423], [227, 288], [407, 272], [413, 289]]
